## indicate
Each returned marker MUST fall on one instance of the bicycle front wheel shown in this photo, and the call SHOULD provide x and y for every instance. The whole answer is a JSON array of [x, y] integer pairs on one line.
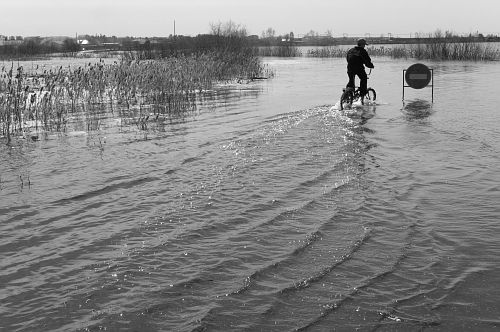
[[371, 95]]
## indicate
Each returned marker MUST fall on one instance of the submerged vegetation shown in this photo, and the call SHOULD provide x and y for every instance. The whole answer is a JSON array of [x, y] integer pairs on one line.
[[155, 81], [139, 85]]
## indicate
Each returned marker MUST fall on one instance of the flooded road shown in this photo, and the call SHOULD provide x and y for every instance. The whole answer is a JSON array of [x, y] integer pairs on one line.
[[266, 209]]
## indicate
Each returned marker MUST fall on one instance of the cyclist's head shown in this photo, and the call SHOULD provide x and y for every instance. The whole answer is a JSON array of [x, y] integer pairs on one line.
[[362, 42]]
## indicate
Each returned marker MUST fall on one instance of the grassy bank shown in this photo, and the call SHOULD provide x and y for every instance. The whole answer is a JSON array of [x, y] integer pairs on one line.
[[48, 100]]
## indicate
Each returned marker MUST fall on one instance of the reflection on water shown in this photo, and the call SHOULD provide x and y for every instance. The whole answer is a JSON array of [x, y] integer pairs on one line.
[[417, 109], [266, 208]]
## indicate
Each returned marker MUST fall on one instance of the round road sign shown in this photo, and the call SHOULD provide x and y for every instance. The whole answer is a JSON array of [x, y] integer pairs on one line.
[[418, 76]]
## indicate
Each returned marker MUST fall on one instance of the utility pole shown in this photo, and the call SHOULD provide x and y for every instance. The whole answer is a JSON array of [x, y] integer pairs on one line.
[[174, 28]]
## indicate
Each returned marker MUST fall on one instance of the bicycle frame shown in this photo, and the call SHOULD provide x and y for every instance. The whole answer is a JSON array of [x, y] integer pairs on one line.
[[351, 95]]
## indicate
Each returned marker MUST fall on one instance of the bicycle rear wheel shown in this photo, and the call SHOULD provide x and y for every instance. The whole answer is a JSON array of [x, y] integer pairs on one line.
[[346, 99]]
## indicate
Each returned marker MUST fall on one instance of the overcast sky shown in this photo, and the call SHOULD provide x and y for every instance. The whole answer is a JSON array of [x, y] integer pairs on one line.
[[148, 18]]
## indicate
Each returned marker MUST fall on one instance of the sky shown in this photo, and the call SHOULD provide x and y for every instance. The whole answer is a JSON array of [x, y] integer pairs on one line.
[[155, 18]]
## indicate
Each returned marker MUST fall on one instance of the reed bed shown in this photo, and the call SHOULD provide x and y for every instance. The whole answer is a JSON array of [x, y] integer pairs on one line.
[[50, 99], [279, 51], [461, 51], [327, 52], [434, 49], [336, 52]]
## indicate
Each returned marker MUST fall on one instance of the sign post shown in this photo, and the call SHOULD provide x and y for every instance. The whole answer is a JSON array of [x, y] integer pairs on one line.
[[418, 76]]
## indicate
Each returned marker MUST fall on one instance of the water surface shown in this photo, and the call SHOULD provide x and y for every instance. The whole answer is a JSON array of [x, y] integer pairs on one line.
[[266, 209]]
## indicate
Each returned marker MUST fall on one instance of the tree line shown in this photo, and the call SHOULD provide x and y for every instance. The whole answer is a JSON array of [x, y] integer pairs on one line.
[[228, 36]]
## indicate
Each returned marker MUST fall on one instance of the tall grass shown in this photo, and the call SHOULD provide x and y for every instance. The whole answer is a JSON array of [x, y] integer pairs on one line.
[[441, 49], [434, 48], [336, 52], [327, 52], [279, 51], [48, 100]]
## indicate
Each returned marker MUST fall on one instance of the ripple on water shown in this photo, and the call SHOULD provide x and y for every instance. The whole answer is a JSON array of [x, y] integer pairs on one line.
[[252, 216]]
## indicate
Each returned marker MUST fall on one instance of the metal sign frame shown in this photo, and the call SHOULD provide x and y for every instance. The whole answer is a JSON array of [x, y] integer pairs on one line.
[[408, 86]]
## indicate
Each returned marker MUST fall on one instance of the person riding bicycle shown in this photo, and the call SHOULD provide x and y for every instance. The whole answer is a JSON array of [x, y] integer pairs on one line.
[[357, 57]]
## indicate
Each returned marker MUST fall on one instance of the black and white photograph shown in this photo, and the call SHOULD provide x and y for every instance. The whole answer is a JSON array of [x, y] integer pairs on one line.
[[268, 166]]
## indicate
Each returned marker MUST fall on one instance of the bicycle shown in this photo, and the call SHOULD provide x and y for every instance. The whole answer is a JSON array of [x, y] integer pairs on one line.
[[350, 95]]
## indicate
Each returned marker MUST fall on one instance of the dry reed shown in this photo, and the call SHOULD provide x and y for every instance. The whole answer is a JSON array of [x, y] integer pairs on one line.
[[432, 49], [48, 100]]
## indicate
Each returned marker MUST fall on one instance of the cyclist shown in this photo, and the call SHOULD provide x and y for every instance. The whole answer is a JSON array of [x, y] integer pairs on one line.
[[357, 58]]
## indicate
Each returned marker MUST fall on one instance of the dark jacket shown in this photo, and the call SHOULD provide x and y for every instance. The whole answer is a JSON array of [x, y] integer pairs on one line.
[[356, 58]]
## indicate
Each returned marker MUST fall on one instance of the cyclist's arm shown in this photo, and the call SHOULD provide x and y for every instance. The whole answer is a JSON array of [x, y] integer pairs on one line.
[[367, 61]]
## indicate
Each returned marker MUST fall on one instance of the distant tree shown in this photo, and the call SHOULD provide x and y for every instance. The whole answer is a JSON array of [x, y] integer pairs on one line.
[[70, 45], [438, 34], [228, 29], [312, 34], [269, 33], [30, 47]]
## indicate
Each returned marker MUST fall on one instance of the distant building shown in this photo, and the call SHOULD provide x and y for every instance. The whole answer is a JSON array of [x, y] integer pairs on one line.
[[10, 40], [84, 43]]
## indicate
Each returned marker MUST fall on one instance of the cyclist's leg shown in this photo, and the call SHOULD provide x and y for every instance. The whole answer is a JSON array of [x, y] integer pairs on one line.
[[363, 84], [352, 76]]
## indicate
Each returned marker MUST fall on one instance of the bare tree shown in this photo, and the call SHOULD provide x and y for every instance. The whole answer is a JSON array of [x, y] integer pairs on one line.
[[312, 34], [269, 33], [228, 29]]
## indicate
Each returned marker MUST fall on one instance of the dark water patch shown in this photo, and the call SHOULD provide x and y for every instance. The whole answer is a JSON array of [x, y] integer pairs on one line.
[[189, 160], [106, 190], [20, 217]]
